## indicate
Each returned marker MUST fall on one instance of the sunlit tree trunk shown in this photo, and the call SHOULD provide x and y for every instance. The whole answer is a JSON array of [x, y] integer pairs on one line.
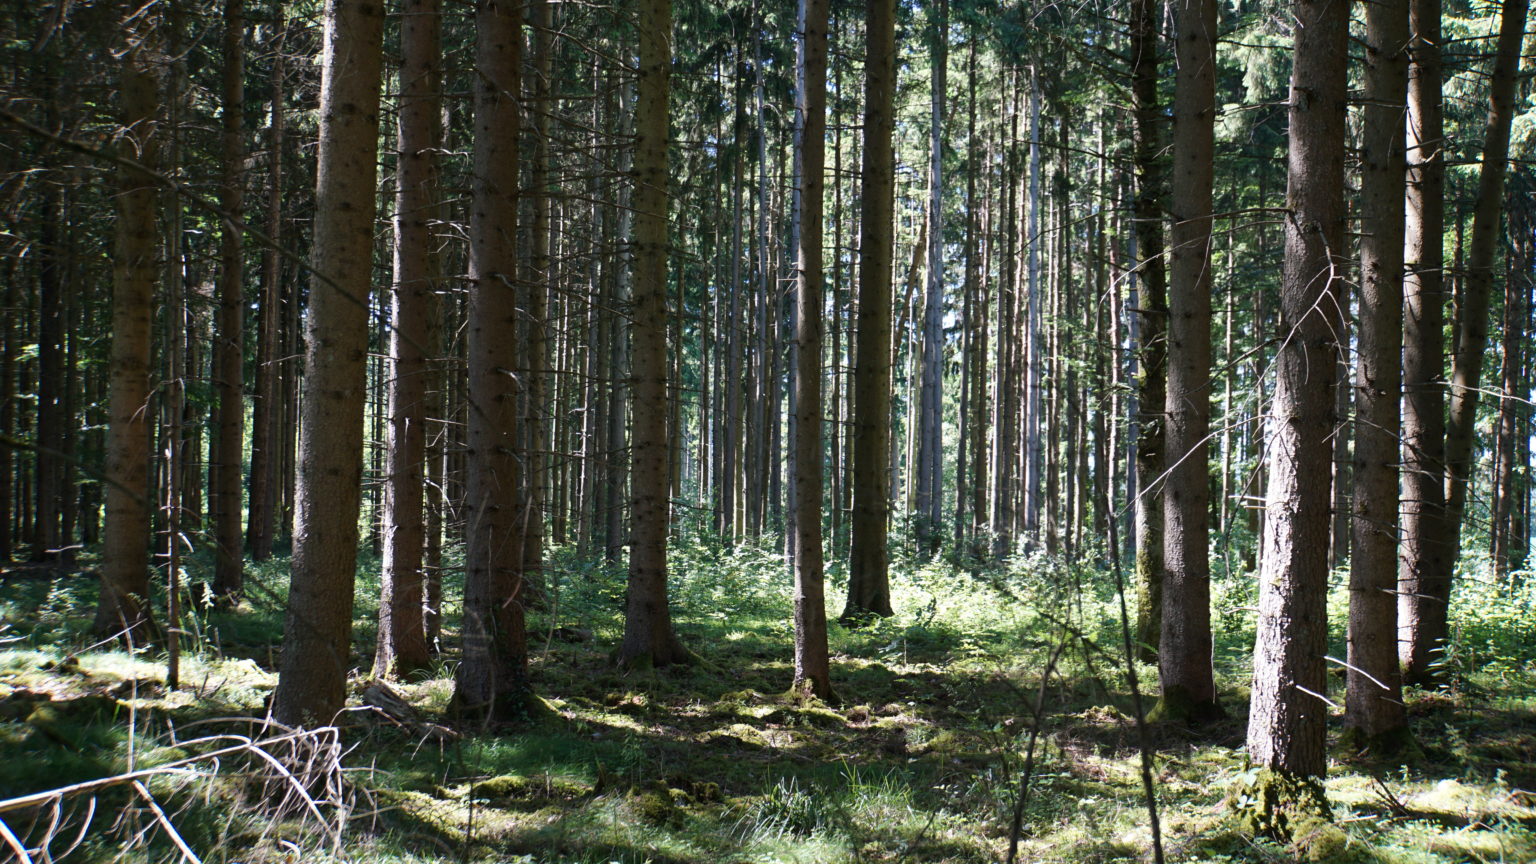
[[1288, 713], [929, 476]]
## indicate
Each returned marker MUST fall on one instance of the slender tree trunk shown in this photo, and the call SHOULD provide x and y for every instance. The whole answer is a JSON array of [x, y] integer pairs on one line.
[[1429, 624], [1184, 650], [265, 431], [812, 667], [1424, 553], [124, 609], [930, 435], [1374, 698], [648, 636], [46, 459], [1286, 725], [1151, 346], [491, 684], [402, 645], [869, 591], [229, 350], [317, 631]]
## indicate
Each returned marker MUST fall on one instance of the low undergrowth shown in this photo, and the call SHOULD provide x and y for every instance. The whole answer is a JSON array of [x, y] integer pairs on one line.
[[920, 760]]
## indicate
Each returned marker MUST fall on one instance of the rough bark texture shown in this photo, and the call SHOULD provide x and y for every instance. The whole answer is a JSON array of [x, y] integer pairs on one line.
[[317, 630], [648, 636], [491, 684], [1429, 626], [1288, 711], [869, 591], [1374, 692], [1151, 346], [229, 348], [1184, 649], [1423, 553], [812, 667], [402, 643], [124, 605]]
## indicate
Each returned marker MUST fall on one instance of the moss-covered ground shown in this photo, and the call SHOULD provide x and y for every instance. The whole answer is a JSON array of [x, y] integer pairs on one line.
[[921, 760]]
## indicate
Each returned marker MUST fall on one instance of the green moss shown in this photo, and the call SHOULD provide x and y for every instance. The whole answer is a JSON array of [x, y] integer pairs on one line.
[[513, 788], [1290, 808]]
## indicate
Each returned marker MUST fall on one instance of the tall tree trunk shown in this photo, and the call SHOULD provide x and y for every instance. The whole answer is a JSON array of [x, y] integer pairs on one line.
[[1428, 626], [317, 631], [648, 636], [869, 591], [267, 411], [930, 435], [812, 667], [402, 644], [1374, 698], [124, 605], [229, 350], [1286, 725], [1184, 649], [1424, 553], [491, 684], [1151, 346], [47, 456]]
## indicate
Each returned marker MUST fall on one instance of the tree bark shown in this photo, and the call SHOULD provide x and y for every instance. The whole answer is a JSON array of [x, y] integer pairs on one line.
[[1286, 725], [402, 643], [229, 347], [123, 609], [265, 431], [929, 475], [1374, 699], [1423, 553], [1151, 353], [1428, 625], [1184, 649], [648, 637], [491, 685], [812, 666], [318, 626], [869, 592]]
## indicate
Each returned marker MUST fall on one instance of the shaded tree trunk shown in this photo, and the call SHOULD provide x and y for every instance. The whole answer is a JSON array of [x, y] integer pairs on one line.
[[1374, 698], [124, 605], [929, 475], [491, 684], [869, 591], [229, 347], [317, 631], [648, 637], [402, 643], [267, 411]]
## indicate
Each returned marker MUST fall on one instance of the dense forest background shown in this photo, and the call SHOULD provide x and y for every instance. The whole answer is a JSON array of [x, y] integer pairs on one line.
[[951, 430]]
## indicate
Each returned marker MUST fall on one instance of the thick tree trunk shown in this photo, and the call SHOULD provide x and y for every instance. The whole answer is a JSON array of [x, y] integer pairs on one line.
[[491, 684], [869, 591], [1424, 553], [1374, 699], [402, 644], [1429, 626], [1286, 726], [648, 636], [1184, 650], [317, 632], [1151, 347], [124, 609], [229, 347], [812, 667]]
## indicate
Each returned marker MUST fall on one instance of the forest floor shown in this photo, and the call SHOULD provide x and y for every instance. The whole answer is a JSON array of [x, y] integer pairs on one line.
[[921, 759]]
